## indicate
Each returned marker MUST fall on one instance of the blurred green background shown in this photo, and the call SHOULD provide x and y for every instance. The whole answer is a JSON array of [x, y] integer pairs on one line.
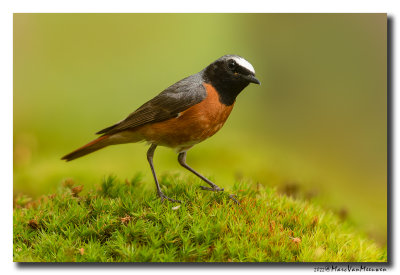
[[318, 122]]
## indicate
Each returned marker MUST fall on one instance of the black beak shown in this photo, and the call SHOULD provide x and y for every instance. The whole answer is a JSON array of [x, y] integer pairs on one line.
[[252, 79]]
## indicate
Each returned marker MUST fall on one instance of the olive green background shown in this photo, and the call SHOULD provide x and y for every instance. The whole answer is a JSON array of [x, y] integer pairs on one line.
[[319, 119]]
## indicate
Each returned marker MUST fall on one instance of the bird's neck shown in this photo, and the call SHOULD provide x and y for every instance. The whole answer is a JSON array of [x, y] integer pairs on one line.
[[227, 90], [228, 93]]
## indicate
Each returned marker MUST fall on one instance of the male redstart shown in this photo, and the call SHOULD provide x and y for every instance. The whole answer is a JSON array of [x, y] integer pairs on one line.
[[182, 115]]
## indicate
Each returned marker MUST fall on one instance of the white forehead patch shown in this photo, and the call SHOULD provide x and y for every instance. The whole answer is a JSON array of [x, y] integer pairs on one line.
[[245, 64]]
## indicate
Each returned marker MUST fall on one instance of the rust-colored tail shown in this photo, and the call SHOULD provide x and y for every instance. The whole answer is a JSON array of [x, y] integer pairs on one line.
[[92, 146]]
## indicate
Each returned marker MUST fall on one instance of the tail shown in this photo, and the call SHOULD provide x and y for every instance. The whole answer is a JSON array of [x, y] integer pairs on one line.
[[92, 146]]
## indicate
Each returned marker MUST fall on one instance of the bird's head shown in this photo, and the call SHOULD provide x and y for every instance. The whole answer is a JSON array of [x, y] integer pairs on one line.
[[230, 74], [232, 68]]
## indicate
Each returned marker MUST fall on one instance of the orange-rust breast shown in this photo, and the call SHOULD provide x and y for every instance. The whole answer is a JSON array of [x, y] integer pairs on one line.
[[192, 125]]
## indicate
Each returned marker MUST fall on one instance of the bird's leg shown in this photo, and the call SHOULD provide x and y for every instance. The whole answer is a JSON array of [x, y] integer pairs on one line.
[[150, 154], [182, 161], [214, 187]]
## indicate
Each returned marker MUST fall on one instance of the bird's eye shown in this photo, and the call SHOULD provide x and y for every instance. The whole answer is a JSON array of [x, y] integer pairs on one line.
[[231, 64]]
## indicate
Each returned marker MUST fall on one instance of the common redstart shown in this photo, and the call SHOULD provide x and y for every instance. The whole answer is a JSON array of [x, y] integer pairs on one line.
[[184, 114]]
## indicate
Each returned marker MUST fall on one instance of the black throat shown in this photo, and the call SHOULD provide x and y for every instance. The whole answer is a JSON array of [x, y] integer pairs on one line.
[[228, 88]]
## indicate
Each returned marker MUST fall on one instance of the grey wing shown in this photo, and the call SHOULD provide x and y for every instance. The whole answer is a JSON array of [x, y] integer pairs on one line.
[[166, 105]]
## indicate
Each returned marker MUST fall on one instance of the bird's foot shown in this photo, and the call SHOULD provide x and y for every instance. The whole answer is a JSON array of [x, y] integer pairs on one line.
[[218, 189], [164, 197], [214, 188], [232, 197]]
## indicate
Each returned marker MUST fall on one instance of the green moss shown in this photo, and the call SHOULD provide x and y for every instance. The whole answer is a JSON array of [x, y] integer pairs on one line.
[[126, 222]]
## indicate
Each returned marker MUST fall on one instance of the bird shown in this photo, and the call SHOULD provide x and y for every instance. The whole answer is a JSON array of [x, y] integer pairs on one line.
[[181, 116]]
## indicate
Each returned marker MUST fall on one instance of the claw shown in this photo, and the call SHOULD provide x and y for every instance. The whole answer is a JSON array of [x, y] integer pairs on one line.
[[232, 197], [163, 197], [215, 188]]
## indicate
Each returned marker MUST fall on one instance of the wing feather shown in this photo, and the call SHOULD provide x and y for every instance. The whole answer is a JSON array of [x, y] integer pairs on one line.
[[168, 104]]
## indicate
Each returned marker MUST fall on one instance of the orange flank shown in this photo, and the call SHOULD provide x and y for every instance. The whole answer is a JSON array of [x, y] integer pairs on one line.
[[191, 126]]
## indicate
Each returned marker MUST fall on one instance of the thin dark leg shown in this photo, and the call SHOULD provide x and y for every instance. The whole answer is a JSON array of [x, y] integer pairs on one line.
[[214, 187], [150, 154], [182, 161]]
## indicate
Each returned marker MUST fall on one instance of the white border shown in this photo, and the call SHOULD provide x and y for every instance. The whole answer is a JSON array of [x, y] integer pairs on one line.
[[285, 6]]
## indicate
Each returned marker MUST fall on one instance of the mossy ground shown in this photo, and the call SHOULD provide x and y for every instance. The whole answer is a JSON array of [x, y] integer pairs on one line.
[[126, 222]]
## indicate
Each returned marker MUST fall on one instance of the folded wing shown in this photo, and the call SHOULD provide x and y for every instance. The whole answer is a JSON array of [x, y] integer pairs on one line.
[[168, 104]]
